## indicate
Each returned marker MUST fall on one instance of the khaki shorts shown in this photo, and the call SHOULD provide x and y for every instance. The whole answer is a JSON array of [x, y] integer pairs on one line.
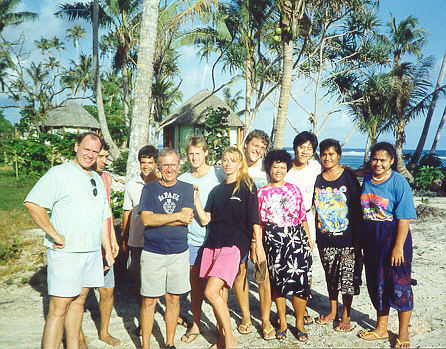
[[164, 273]]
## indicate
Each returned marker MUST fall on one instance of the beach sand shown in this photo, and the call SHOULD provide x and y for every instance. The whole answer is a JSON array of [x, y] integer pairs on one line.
[[24, 303]]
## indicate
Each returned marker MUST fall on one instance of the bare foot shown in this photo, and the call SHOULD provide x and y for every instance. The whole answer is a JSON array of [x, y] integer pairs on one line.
[[230, 341], [110, 340], [82, 342]]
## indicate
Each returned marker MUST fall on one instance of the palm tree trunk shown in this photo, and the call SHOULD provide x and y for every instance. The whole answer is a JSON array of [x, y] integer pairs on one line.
[[77, 52], [437, 136], [284, 99], [126, 93], [399, 141], [139, 128], [416, 156], [248, 90], [367, 150], [114, 151]]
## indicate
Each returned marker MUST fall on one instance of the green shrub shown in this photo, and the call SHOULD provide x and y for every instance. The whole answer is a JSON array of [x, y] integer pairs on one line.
[[216, 133], [116, 202], [12, 250], [426, 175], [119, 166]]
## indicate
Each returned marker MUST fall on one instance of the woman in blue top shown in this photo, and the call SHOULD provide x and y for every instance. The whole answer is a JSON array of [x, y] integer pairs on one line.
[[387, 205]]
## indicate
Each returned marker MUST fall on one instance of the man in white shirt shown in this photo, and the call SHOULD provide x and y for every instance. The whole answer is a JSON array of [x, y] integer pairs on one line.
[[133, 229], [256, 143]]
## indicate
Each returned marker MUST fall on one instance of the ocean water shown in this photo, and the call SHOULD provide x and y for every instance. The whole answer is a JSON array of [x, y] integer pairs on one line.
[[354, 157]]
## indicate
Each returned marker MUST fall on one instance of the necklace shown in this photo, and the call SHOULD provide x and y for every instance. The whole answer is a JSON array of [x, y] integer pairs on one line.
[[383, 177]]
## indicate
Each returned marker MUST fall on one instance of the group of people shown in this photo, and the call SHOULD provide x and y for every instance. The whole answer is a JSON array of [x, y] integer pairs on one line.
[[194, 232]]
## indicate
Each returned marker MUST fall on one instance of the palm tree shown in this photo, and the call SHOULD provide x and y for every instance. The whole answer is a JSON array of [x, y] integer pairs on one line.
[[438, 133], [59, 46], [405, 37], [43, 45], [233, 100], [84, 73], [9, 17], [74, 34], [410, 97], [416, 156]]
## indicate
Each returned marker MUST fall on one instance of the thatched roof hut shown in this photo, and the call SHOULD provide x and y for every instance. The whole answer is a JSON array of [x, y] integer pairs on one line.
[[193, 111], [70, 117], [189, 119]]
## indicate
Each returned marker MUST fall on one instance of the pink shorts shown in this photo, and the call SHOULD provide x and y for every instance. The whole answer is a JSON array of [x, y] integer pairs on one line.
[[222, 263]]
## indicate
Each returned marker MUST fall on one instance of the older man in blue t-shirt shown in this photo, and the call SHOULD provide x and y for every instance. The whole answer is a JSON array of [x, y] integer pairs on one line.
[[79, 211], [166, 208]]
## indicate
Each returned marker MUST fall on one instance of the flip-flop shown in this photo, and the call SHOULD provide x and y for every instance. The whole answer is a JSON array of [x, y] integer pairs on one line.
[[308, 320], [399, 344], [245, 329], [281, 335], [301, 334], [269, 334], [185, 337], [376, 336], [344, 328], [182, 322], [324, 319]]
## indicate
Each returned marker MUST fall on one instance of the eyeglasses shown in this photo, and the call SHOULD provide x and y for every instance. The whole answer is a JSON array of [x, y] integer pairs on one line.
[[166, 166], [95, 190]]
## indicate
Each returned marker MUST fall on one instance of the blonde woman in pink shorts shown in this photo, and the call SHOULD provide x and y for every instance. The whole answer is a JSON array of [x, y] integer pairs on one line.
[[232, 214]]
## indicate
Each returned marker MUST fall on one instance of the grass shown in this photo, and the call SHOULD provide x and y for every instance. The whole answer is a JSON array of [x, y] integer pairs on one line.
[[13, 215]]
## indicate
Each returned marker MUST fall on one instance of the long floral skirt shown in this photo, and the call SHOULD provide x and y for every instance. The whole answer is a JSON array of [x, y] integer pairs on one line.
[[343, 268], [289, 260], [388, 286]]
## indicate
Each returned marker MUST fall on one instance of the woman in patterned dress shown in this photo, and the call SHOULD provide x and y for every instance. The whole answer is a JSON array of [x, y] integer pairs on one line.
[[286, 241], [387, 205]]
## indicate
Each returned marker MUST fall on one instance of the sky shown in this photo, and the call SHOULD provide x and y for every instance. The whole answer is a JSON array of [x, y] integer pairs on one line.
[[430, 14]]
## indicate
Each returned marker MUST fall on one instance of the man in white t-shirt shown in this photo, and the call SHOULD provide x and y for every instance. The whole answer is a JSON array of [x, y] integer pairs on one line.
[[255, 146], [206, 178], [303, 174]]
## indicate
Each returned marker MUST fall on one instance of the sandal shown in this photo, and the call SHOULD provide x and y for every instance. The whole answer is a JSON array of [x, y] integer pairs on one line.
[[376, 336], [308, 320], [399, 344], [189, 337], [324, 319], [281, 335], [302, 336], [245, 329], [344, 328], [269, 334]]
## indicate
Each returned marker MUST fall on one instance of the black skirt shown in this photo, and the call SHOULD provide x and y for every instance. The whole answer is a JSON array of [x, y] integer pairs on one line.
[[288, 255]]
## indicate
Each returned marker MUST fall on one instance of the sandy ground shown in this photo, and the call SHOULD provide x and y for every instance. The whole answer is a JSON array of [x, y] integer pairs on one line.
[[24, 304]]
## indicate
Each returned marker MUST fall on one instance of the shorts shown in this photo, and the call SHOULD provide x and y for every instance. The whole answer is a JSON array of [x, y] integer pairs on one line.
[[69, 272], [222, 263], [164, 273], [195, 254], [109, 278]]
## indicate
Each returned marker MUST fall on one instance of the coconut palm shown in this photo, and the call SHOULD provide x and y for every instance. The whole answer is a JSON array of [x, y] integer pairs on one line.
[[74, 34], [9, 17], [405, 37], [43, 45], [410, 97]]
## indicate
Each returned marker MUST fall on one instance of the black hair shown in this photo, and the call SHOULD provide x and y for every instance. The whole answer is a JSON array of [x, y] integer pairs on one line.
[[304, 137], [328, 143], [257, 134], [83, 135], [387, 147], [148, 151], [104, 145], [278, 155]]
